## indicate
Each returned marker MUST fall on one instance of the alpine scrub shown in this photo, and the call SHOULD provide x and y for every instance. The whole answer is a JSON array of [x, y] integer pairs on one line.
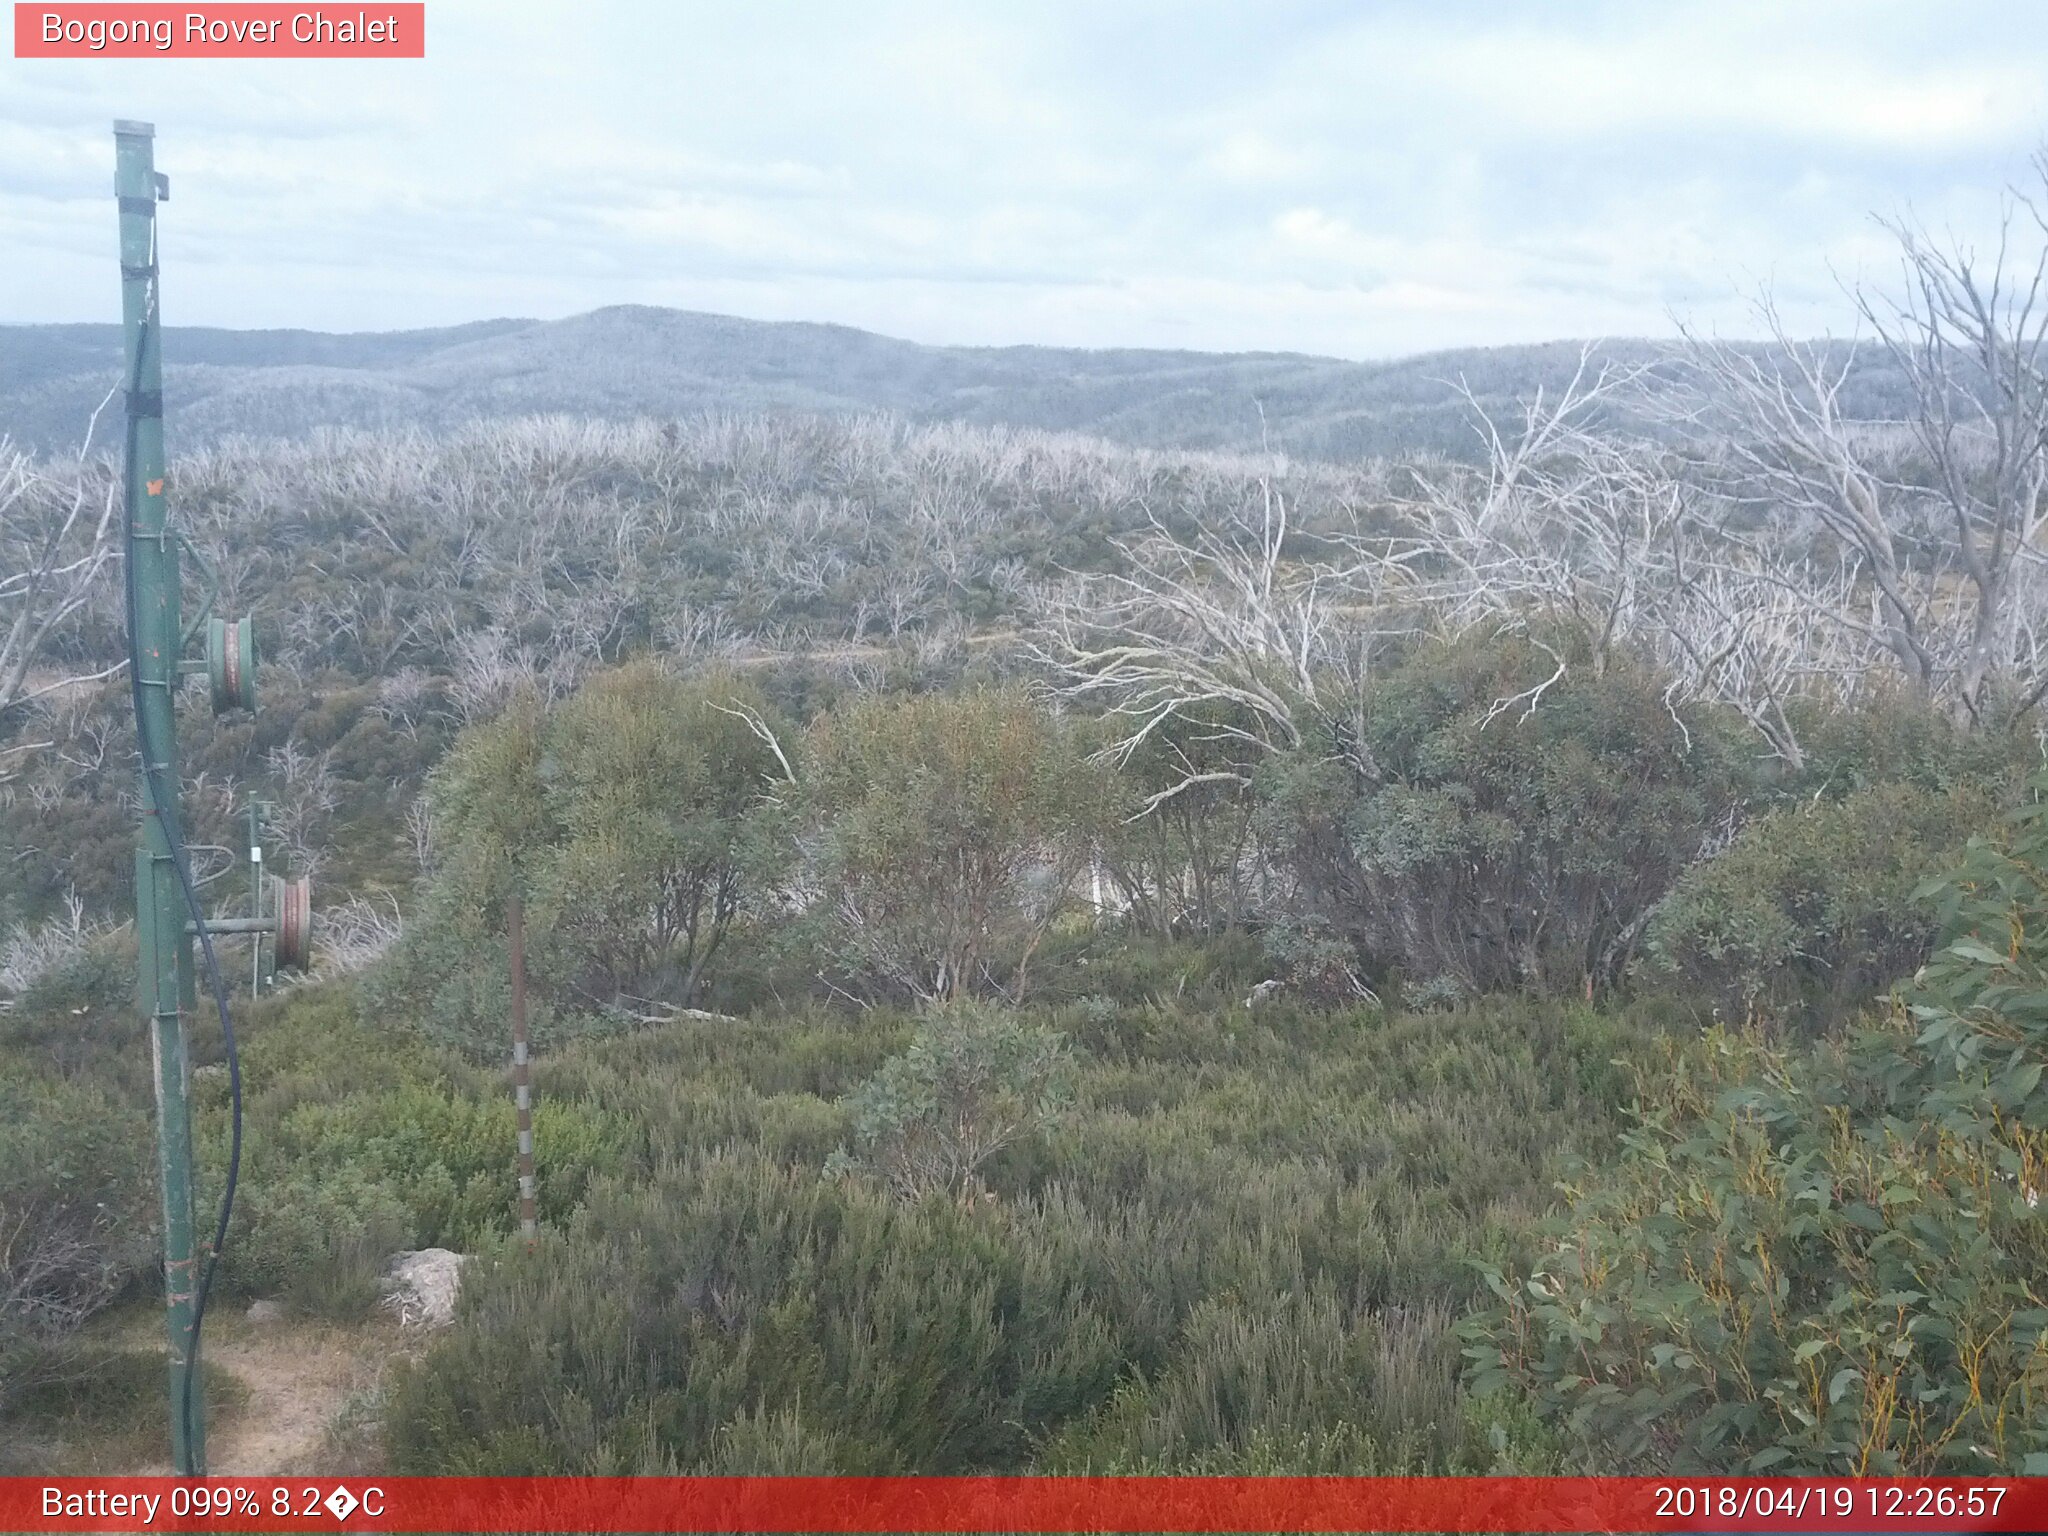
[[1825, 1262]]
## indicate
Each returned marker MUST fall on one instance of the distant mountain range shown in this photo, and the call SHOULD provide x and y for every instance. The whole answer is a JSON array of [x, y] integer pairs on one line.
[[635, 361]]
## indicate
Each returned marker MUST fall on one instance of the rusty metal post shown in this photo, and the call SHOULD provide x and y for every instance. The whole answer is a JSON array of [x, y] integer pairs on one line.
[[522, 1066]]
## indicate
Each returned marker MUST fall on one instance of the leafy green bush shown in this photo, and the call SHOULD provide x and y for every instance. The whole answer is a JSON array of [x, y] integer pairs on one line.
[[631, 818], [1182, 868], [653, 782], [974, 1080], [1825, 1262], [949, 832], [1811, 907], [695, 1297], [318, 1238], [1312, 960], [98, 978], [1891, 737], [1330, 1392], [1481, 846]]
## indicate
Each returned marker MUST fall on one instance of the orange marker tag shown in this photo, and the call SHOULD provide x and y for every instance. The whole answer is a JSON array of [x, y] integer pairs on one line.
[[156, 487]]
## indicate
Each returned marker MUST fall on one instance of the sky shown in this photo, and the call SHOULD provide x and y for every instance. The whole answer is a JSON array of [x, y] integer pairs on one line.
[[1356, 180]]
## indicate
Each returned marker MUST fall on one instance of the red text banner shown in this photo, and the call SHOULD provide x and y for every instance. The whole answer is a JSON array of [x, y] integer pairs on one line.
[[231, 31], [1022, 1504]]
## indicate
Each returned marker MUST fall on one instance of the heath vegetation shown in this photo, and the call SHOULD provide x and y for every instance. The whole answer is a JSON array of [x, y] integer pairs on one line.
[[1054, 955]]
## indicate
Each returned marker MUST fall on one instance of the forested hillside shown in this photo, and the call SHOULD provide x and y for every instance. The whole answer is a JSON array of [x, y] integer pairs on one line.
[[623, 363]]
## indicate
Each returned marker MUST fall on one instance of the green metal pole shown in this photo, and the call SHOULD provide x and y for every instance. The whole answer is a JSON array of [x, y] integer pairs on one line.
[[166, 951]]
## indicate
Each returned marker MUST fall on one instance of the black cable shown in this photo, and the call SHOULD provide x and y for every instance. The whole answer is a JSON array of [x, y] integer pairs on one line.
[[179, 861]]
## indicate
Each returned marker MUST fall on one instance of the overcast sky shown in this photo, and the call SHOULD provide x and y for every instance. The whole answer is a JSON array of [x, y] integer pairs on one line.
[[1361, 180]]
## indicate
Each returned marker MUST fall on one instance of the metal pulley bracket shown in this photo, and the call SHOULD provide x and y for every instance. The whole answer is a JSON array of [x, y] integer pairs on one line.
[[231, 663], [211, 590]]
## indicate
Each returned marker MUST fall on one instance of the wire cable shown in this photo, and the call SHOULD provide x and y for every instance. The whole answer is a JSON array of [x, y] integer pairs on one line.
[[167, 819]]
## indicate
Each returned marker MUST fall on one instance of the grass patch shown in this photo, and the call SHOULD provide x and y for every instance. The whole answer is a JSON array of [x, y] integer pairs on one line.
[[103, 1410]]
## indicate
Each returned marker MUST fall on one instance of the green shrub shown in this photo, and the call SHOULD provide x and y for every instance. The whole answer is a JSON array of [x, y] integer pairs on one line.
[[1826, 1262], [79, 1019], [1237, 1250], [1894, 738], [1480, 847], [77, 1220], [1295, 1375], [634, 819], [317, 1238], [95, 1409], [723, 1289], [974, 1080], [359, 1142], [98, 979], [1810, 910], [1181, 869], [1107, 960], [1312, 961], [653, 783], [950, 830]]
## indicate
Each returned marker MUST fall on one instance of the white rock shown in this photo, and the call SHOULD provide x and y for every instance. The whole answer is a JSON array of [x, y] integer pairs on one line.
[[421, 1286], [266, 1311], [1263, 993]]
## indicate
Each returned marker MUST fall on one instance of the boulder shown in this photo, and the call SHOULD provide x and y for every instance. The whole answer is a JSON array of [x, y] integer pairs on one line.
[[421, 1285]]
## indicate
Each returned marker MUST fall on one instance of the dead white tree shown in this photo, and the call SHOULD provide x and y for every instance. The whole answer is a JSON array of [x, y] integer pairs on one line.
[[489, 668], [1260, 632], [1561, 519], [1733, 624], [304, 798], [1941, 524], [30, 952], [1968, 335], [57, 541], [1566, 524], [1246, 632], [355, 934], [1771, 434]]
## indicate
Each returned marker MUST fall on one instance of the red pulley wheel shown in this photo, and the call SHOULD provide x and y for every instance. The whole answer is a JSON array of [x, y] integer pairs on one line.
[[293, 947], [231, 663]]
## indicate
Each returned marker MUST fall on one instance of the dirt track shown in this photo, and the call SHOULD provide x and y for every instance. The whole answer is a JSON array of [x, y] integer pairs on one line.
[[299, 1378]]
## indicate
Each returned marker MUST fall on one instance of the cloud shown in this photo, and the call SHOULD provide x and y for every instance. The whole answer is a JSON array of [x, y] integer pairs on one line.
[[1248, 157], [1302, 175]]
